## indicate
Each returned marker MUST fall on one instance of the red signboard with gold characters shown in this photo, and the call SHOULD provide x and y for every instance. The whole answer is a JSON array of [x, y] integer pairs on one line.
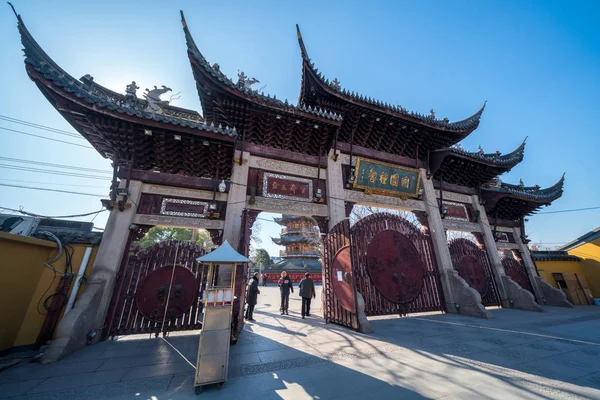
[[287, 187]]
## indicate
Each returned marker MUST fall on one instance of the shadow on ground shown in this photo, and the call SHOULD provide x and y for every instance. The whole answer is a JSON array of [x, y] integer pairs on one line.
[[516, 354]]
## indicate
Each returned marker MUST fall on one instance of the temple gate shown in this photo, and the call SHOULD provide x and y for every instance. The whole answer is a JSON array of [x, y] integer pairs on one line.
[[339, 281], [473, 266], [158, 290], [394, 267], [249, 152]]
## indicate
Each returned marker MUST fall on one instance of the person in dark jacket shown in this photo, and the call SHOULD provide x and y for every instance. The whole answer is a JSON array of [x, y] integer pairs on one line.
[[285, 286], [307, 292], [252, 293]]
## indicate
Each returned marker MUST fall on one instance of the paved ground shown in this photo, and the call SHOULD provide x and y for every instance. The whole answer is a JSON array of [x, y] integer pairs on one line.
[[518, 355]]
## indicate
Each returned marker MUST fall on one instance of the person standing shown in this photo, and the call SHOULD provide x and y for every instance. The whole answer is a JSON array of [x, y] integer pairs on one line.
[[307, 292], [285, 286], [252, 293], [264, 280]]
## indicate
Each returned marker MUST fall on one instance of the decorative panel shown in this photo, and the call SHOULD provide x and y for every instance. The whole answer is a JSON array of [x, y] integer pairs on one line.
[[287, 187], [456, 211], [183, 207], [388, 179]]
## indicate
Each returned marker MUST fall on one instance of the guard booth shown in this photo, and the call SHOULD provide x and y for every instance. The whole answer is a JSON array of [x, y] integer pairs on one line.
[[213, 349]]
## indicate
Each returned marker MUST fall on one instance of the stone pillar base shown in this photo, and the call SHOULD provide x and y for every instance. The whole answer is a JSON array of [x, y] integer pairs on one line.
[[364, 326], [551, 295], [73, 330], [467, 298], [521, 299]]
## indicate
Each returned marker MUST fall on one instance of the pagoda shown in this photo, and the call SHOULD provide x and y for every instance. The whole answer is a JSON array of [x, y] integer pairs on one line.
[[300, 236]]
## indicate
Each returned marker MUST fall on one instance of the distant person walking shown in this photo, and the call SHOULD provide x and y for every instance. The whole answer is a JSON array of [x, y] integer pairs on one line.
[[264, 280], [252, 293], [307, 292], [285, 286]]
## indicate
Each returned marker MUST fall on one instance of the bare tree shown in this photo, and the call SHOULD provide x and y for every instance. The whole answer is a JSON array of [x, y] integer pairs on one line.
[[359, 212], [451, 235]]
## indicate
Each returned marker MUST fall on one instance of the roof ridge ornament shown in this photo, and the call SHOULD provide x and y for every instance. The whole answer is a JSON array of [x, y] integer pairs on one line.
[[246, 82], [336, 84], [155, 103]]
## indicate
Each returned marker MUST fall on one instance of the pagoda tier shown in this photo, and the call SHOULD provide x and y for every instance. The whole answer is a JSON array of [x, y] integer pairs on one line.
[[377, 125], [513, 202], [286, 219], [125, 128], [472, 169], [259, 119], [295, 266], [293, 239]]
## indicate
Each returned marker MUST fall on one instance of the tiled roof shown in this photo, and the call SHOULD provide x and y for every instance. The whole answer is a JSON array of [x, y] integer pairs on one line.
[[467, 124], [512, 158], [533, 193], [99, 96], [553, 256], [239, 87]]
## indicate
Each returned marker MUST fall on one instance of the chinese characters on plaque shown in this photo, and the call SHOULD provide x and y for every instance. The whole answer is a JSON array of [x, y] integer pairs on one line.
[[287, 187], [387, 179]]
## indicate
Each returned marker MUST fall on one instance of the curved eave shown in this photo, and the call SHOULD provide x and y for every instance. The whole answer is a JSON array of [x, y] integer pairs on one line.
[[528, 199], [533, 193], [48, 75], [202, 68], [496, 162], [461, 128]]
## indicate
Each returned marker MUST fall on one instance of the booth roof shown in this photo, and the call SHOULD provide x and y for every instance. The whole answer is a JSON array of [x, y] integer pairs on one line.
[[223, 254]]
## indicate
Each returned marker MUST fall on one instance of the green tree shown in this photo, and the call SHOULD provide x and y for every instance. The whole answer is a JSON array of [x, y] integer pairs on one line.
[[158, 234], [262, 257]]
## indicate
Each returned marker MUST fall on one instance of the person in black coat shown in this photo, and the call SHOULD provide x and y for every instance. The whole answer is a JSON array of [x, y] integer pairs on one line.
[[307, 292], [285, 286], [252, 293]]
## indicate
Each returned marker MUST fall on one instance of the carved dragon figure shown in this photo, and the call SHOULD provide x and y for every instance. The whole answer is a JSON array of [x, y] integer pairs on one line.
[[153, 97], [246, 82]]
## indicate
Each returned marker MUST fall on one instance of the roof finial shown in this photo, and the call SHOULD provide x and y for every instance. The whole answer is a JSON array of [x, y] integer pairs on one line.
[[13, 8], [301, 43], [183, 19]]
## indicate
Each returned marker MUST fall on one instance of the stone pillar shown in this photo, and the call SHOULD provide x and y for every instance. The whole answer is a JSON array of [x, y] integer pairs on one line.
[[236, 202], [112, 248], [89, 313], [456, 290], [335, 190], [491, 250], [529, 265]]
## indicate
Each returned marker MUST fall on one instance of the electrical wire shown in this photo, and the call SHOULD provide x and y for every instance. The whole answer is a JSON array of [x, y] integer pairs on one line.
[[53, 190], [45, 137], [51, 183], [61, 216], [48, 263], [38, 126], [52, 172], [72, 167], [571, 210]]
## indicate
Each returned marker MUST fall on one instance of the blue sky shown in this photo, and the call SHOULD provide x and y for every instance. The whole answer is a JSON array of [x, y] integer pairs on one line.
[[535, 62]]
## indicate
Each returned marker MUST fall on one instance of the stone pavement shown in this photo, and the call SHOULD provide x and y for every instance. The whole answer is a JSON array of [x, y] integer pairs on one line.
[[515, 355]]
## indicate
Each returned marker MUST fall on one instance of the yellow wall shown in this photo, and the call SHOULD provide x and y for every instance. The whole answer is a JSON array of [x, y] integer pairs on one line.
[[590, 263], [25, 279], [547, 268]]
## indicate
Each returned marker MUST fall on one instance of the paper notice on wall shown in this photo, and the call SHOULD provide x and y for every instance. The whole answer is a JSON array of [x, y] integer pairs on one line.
[[339, 276]]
